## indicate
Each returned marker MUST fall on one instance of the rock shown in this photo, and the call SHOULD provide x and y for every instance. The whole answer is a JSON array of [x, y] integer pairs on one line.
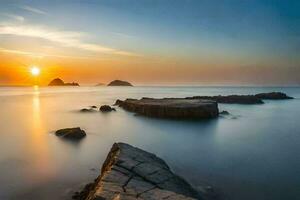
[[93, 106], [87, 110], [119, 83], [131, 173], [224, 112], [71, 133], [273, 96], [232, 99], [171, 108], [59, 82], [118, 102], [106, 108]]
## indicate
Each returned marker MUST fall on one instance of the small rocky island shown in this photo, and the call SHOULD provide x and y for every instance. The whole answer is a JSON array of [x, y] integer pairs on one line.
[[175, 108], [59, 82], [100, 84], [119, 83], [131, 173]]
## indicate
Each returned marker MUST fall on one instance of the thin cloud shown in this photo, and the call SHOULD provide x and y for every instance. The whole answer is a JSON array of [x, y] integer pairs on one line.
[[15, 17], [33, 10], [42, 55], [64, 38]]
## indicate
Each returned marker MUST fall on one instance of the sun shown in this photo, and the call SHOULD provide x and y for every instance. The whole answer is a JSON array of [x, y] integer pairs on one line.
[[35, 71]]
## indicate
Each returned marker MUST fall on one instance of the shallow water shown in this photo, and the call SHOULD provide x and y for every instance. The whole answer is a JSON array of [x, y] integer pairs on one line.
[[251, 154]]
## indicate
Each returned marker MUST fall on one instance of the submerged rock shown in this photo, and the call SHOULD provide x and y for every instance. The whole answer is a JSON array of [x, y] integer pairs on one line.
[[85, 110], [224, 112], [171, 108], [59, 82], [119, 83], [273, 96], [71, 133], [106, 108], [131, 173], [232, 99]]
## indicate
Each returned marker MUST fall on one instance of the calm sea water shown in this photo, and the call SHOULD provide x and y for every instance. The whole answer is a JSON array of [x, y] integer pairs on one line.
[[251, 154]]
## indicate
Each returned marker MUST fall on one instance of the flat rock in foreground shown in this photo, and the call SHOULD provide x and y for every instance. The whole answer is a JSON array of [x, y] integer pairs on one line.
[[131, 173], [171, 107]]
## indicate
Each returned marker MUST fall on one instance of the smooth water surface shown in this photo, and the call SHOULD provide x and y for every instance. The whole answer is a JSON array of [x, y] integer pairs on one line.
[[251, 154]]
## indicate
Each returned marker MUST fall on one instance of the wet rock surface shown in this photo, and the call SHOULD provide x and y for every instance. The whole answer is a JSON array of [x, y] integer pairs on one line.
[[106, 108], [71, 133], [273, 96], [176, 108], [131, 173]]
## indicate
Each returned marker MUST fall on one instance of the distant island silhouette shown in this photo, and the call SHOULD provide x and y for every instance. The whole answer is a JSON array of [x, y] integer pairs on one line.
[[119, 83], [59, 82], [100, 84]]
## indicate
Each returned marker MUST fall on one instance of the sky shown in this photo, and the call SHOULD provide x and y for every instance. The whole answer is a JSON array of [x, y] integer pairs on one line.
[[151, 42]]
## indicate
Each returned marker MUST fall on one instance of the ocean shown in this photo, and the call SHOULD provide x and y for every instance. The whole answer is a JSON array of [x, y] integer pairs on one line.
[[253, 153]]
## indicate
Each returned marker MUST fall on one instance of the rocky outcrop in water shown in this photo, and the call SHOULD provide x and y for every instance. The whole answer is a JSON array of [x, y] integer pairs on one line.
[[59, 82], [87, 110], [71, 133], [232, 99], [106, 108], [130, 173], [224, 112], [245, 99], [273, 96], [171, 108], [119, 83]]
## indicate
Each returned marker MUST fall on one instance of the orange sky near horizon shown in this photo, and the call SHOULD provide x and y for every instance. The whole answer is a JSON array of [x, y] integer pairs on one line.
[[15, 70]]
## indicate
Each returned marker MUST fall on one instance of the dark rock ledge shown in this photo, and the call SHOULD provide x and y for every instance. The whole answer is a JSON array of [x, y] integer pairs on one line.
[[273, 96], [175, 108], [130, 173], [245, 99], [232, 99]]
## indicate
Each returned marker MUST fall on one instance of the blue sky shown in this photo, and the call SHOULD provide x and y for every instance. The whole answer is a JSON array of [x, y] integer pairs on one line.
[[239, 33]]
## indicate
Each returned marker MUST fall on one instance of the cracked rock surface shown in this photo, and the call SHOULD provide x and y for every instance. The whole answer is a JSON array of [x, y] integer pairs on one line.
[[131, 173]]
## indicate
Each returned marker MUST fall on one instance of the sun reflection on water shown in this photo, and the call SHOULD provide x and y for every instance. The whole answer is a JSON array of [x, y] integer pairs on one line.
[[39, 148]]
